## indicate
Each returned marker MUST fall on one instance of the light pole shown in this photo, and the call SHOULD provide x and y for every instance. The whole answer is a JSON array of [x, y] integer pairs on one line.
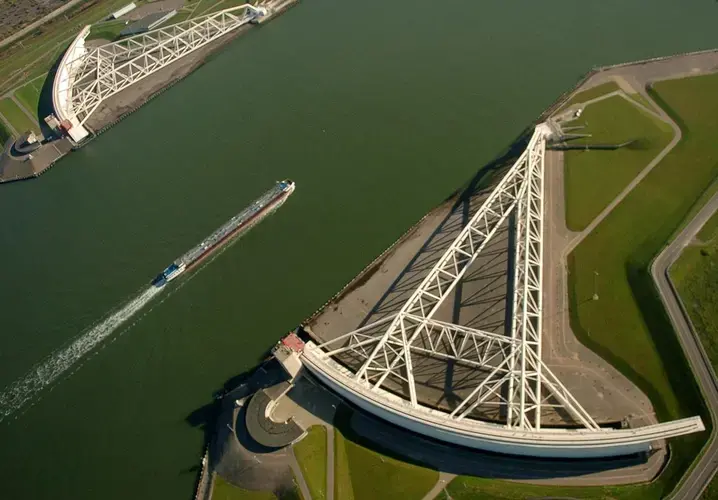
[[595, 285]]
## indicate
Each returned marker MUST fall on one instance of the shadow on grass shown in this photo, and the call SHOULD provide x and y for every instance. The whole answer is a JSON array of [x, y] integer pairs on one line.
[[357, 426], [205, 417], [44, 104]]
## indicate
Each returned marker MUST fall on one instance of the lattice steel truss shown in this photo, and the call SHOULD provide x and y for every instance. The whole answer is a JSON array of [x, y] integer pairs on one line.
[[516, 379], [101, 72]]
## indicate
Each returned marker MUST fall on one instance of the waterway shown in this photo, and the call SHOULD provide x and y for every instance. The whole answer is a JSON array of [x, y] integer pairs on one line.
[[378, 110]]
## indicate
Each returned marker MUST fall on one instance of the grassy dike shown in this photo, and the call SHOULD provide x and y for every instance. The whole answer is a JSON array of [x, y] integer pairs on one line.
[[628, 325], [222, 490], [594, 178], [363, 472], [311, 454], [695, 274]]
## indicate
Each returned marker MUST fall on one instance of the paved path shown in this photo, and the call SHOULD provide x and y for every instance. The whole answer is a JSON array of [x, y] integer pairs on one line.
[[300, 477], [330, 461], [677, 136], [444, 479], [696, 481], [20, 105], [9, 126]]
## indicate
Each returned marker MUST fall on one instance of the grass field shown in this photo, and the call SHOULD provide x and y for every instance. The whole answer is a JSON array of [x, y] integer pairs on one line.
[[627, 325], [470, 488], [29, 95], [695, 274], [226, 491], [642, 100], [709, 230], [19, 120], [362, 473], [592, 93], [311, 453], [4, 133], [594, 178], [109, 30], [220, 5]]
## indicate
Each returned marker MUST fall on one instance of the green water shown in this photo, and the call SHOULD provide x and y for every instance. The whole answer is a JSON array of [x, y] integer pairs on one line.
[[378, 110]]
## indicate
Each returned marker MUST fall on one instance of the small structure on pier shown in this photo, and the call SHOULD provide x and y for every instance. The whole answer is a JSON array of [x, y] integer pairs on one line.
[[287, 352]]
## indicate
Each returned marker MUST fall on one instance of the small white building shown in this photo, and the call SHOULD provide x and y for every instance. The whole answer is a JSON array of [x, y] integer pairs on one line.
[[124, 10]]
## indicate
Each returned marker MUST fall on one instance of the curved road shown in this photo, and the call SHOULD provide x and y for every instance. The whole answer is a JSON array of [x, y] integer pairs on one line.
[[698, 478]]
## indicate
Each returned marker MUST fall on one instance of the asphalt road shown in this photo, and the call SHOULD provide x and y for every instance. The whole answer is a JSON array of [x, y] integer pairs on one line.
[[696, 481]]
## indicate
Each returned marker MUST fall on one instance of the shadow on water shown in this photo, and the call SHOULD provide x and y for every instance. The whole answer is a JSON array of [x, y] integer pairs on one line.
[[478, 187], [205, 417]]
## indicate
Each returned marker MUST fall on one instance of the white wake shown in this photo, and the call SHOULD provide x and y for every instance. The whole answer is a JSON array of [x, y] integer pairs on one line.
[[17, 394]]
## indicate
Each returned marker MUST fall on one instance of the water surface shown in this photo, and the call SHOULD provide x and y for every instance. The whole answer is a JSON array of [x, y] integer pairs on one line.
[[378, 110]]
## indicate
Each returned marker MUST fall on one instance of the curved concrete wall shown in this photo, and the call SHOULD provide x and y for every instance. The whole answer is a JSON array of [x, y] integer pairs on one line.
[[62, 86], [549, 443]]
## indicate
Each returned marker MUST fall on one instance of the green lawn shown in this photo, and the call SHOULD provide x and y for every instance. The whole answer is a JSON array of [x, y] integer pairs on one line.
[[711, 492], [470, 488], [592, 93], [362, 473], [220, 5], [29, 95], [226, 491], [642, 100], [182, 15], [695, 274], [4, 134], [109, 30], [709, 229], [201, 6], [628, 325], [19, 120], [594, 178], [311, 453]]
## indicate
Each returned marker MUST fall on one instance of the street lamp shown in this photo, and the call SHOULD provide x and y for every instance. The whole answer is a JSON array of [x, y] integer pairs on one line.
[[595, 285]]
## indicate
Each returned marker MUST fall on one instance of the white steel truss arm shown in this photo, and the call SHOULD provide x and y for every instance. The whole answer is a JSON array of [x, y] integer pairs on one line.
[[438, 339], [451, 267], [524, 387], [98, 73]]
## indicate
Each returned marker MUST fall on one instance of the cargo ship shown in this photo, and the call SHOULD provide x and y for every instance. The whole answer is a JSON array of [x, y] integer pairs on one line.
[[255, 212]]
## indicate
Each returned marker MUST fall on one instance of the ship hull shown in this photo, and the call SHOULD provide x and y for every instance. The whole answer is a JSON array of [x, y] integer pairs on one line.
[[239, 229], [251, 215]]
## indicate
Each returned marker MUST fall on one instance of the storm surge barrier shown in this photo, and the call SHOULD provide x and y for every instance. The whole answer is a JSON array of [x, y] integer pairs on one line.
[[379, 366], [88, 76]]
